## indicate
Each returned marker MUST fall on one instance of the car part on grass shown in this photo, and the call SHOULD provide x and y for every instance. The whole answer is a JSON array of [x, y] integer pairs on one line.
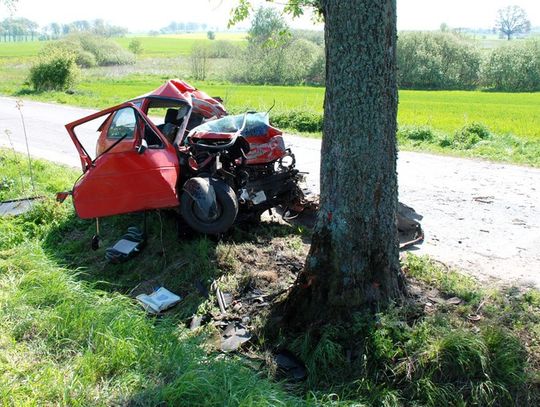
[[128, 246], [94, 243], [15, 207], [234, 336], [409, 228]]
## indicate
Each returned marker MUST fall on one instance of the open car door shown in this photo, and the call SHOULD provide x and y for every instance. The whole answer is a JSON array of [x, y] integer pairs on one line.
[[137, 170]]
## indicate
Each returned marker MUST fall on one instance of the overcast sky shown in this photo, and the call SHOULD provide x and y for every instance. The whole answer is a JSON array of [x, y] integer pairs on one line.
[[144, 16]]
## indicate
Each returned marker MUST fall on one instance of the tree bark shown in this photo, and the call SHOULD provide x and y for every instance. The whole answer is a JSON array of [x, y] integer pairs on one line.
[[354, 258]]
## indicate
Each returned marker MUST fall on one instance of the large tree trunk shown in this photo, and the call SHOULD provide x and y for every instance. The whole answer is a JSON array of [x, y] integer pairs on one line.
[[354, 256]]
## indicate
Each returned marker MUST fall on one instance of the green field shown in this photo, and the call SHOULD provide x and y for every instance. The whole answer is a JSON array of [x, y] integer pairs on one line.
[[514, 113], [175, 45], [512, 117], [20, 49], [163, 46]]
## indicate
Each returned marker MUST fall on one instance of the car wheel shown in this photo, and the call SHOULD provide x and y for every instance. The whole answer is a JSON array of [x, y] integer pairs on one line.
[[227, 209]]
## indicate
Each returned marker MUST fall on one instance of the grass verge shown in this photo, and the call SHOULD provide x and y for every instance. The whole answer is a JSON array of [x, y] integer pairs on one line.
[[71, 334]]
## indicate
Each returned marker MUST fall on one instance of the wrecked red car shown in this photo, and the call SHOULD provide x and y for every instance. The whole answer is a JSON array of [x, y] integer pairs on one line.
[[211, 167]]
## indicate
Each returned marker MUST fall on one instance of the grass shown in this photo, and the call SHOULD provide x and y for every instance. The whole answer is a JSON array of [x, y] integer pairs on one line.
[[71, 334]]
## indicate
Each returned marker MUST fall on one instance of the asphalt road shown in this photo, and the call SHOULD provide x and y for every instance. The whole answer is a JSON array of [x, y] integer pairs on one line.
[[481, 217]]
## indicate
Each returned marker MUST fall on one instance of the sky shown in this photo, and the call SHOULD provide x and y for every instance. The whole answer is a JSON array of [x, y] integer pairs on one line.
[[145, 16]]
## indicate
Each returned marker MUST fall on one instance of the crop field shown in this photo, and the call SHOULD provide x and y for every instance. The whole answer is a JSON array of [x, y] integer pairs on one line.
[[160, 46], [175, 45], [20, 49], [513, 119]]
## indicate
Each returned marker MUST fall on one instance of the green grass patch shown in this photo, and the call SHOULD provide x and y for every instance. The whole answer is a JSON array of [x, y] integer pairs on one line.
[[71, 333], [172, 46], [23, 49]]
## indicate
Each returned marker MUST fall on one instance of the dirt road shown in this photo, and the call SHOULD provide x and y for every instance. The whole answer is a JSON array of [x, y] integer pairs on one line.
[[481, 217]]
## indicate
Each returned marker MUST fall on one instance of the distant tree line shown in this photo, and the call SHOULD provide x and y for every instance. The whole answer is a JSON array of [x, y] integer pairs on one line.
[[18, 29], [96, 27], [23, 29], [182, 27]]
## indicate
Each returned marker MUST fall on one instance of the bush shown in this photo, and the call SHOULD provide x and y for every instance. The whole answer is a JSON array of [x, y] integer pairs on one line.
[[135, 46], [107, 52], [223, 49], [417, 133], [470, 135], [55, 71], [85, 59], [289, 63], [514, 67], [91, 50], [199, 61], [299, 120], [437, 61]]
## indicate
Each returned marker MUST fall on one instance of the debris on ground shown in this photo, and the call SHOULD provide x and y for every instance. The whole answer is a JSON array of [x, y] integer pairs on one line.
[[128, 246], [289, 366], [234, 336], [17, 207], [159, 301]]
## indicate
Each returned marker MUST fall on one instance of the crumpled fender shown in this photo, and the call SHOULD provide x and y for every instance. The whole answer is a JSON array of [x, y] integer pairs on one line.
[[203, 193]]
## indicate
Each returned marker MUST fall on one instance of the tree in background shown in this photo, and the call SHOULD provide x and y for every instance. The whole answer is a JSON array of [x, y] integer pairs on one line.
[[512, 20], [200, 55], [135, 46], [267, 28], [353, 262], [275, 56]]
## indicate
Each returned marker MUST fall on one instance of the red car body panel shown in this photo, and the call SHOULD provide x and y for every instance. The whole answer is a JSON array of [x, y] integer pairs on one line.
[[123, 180], [127, 182]]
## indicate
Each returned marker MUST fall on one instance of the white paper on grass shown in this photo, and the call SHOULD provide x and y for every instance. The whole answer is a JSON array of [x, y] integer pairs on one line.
[[125, 246], [158, 301]]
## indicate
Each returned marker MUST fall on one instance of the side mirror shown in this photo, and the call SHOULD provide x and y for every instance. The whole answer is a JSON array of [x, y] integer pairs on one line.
[[143, 147]]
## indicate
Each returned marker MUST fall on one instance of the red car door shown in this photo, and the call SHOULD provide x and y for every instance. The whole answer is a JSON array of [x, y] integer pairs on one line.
[[136, 169]]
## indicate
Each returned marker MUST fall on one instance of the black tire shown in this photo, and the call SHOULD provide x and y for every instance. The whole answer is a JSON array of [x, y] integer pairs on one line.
[[227, 207]]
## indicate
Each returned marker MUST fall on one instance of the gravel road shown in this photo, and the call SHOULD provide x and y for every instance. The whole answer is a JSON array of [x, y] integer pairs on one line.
[[481, 217]]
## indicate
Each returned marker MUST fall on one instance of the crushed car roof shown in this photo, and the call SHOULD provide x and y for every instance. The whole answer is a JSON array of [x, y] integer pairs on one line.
[[180, 91]]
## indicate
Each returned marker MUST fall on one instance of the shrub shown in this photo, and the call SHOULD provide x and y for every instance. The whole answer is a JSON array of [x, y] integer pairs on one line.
[[55, 71], [85, 59], [287, 63], [199, 61], [211, 35], [470, 135], [514, 67], [223, 49], [91, 50], [417, 133], [135, 46], [299, 120], [437, 61], [107, 52]]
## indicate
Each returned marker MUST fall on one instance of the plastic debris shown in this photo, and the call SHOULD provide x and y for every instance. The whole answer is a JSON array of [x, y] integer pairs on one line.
[[17, 207], [159, 301], [234, 336]]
